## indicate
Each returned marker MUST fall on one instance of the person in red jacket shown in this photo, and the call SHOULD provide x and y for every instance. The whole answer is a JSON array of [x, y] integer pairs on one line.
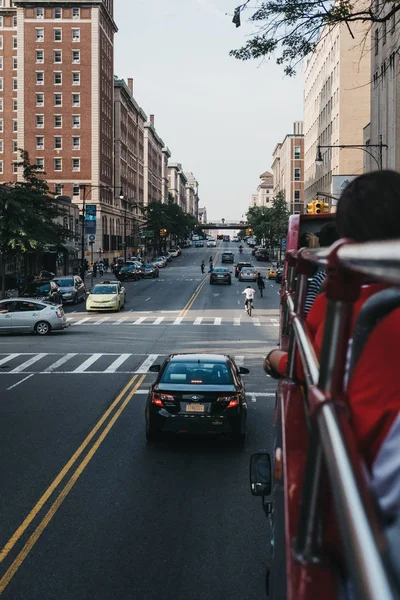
[[368, 210]]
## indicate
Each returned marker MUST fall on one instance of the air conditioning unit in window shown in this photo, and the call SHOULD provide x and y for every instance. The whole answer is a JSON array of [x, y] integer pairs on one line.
[[40, 147]]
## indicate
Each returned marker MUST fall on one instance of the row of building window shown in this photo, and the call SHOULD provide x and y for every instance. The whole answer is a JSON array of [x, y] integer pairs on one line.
[[58, 142], [14, 21], [39, 162], [76, 77], [58, 56], [58, 121], [57, 13], [57, 34]]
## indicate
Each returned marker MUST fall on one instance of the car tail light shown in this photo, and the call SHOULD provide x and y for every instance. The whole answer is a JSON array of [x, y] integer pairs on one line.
[[59, 313], [232, 400], [160, 399]]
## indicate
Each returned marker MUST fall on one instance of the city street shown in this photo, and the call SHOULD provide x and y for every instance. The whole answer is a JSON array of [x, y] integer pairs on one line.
[[89, 509]]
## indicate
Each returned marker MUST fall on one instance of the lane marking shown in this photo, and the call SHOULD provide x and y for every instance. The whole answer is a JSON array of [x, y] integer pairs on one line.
[[87, 363], [239, 361], [120, 321], [28, 363], [217, 321], [147, 299], [8, 358], [198, 321], [15, 565], [60, 362], [139, 321], [159, 320], [145, 366], [256, 322], [46, 495], [82, 321], [178, 321], [102, 320], [236, 321], [19, 382], [117, 363]]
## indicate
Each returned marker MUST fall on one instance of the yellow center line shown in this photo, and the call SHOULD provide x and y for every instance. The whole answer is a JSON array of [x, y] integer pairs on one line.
[[197, 291], [41, 502], [11, 571]]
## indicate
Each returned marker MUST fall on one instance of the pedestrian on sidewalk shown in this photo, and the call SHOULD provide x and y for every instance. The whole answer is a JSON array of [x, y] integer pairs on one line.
[[94, 269]]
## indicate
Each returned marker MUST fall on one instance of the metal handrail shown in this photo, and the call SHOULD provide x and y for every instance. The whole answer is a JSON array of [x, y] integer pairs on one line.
[[361, 533], [379, 260]]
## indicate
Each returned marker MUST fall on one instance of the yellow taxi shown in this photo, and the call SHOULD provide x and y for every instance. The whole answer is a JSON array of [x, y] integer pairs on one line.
[[106, 296], [272, 273]]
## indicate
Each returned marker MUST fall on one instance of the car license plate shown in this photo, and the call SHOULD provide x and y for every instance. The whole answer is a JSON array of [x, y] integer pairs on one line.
[[197, 408], [220, 276]]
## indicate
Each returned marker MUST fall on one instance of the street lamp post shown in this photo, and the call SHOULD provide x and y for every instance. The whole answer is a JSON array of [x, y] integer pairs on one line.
[[365, 147]]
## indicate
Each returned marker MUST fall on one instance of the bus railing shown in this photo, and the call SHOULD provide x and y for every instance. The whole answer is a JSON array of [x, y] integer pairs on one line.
[[331, 440]]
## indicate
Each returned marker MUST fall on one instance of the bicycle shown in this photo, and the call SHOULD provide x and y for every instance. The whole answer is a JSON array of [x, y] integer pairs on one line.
[[249, 307]]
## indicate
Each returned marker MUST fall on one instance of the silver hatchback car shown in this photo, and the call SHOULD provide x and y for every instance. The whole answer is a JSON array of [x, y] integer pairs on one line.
[[30, 315]]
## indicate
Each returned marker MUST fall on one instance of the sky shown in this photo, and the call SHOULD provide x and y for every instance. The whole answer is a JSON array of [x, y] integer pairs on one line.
[[220, 117]]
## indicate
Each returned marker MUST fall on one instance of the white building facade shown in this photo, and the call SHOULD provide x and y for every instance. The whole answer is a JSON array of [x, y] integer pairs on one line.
[[336, 107]]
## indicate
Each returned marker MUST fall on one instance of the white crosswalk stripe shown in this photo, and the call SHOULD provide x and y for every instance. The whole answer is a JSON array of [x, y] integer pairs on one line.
[[75, 363], [155, 321]]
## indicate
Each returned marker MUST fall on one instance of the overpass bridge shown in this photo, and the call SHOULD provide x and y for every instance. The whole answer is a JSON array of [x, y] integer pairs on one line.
[[223, 225]]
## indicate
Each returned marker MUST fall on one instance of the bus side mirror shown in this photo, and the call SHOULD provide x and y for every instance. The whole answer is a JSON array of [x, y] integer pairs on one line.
[[260, 474]]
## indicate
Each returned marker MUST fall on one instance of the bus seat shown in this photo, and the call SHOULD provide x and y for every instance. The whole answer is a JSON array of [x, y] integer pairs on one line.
[[374, 310]]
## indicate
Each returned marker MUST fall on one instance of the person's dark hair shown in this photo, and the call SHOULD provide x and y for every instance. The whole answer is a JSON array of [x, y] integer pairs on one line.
[[369, 207], [328, 234]]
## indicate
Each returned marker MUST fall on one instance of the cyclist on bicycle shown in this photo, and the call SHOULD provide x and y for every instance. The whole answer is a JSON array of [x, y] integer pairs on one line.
[[250, 293], [260, 283]]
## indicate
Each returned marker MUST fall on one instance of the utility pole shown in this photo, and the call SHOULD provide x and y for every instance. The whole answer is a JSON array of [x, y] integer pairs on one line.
[[83, 187]]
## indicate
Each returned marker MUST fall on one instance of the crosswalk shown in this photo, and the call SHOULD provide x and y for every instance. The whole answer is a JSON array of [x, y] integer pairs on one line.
[[135, 320], [77, 363]]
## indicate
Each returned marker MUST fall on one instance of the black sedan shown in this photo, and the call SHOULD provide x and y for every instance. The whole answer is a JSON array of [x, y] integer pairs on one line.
[[240, 266], [221, 275], [131, 272], [197, 394]]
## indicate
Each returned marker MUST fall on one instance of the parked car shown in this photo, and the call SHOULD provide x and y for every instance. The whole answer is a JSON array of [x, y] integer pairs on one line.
[[262, 254], [197, 393], [106, 296], [221, 275], [175, 251], [279, 275], [43, 290], [254, 250], [248, 274], [160, 261], [240, 265], [199, 244], [130, 272], [167, 256], [228, 257], [72, 288], [29, 315], [150, 270], [187, 243]]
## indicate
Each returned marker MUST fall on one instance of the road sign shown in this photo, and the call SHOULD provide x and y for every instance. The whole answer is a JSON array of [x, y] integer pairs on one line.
[[283, 243], [146, 233], [92, 237]]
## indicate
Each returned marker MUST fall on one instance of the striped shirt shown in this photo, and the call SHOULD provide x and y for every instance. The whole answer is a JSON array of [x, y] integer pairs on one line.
[[314, 288]]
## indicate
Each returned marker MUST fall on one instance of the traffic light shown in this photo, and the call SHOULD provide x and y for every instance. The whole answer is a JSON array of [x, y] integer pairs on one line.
[[163, 232], [320, 207], [317, 207]]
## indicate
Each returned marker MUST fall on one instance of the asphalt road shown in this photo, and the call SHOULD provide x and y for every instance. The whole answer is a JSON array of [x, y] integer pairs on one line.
[[88, 509]]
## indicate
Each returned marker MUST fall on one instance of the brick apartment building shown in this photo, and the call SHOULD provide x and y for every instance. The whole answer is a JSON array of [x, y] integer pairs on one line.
[[57, 98], [288, 168]]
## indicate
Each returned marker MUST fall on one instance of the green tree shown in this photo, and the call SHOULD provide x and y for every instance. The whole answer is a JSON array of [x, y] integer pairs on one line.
[[290, 29], [28, 216], [168, 216], [270, 224]]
